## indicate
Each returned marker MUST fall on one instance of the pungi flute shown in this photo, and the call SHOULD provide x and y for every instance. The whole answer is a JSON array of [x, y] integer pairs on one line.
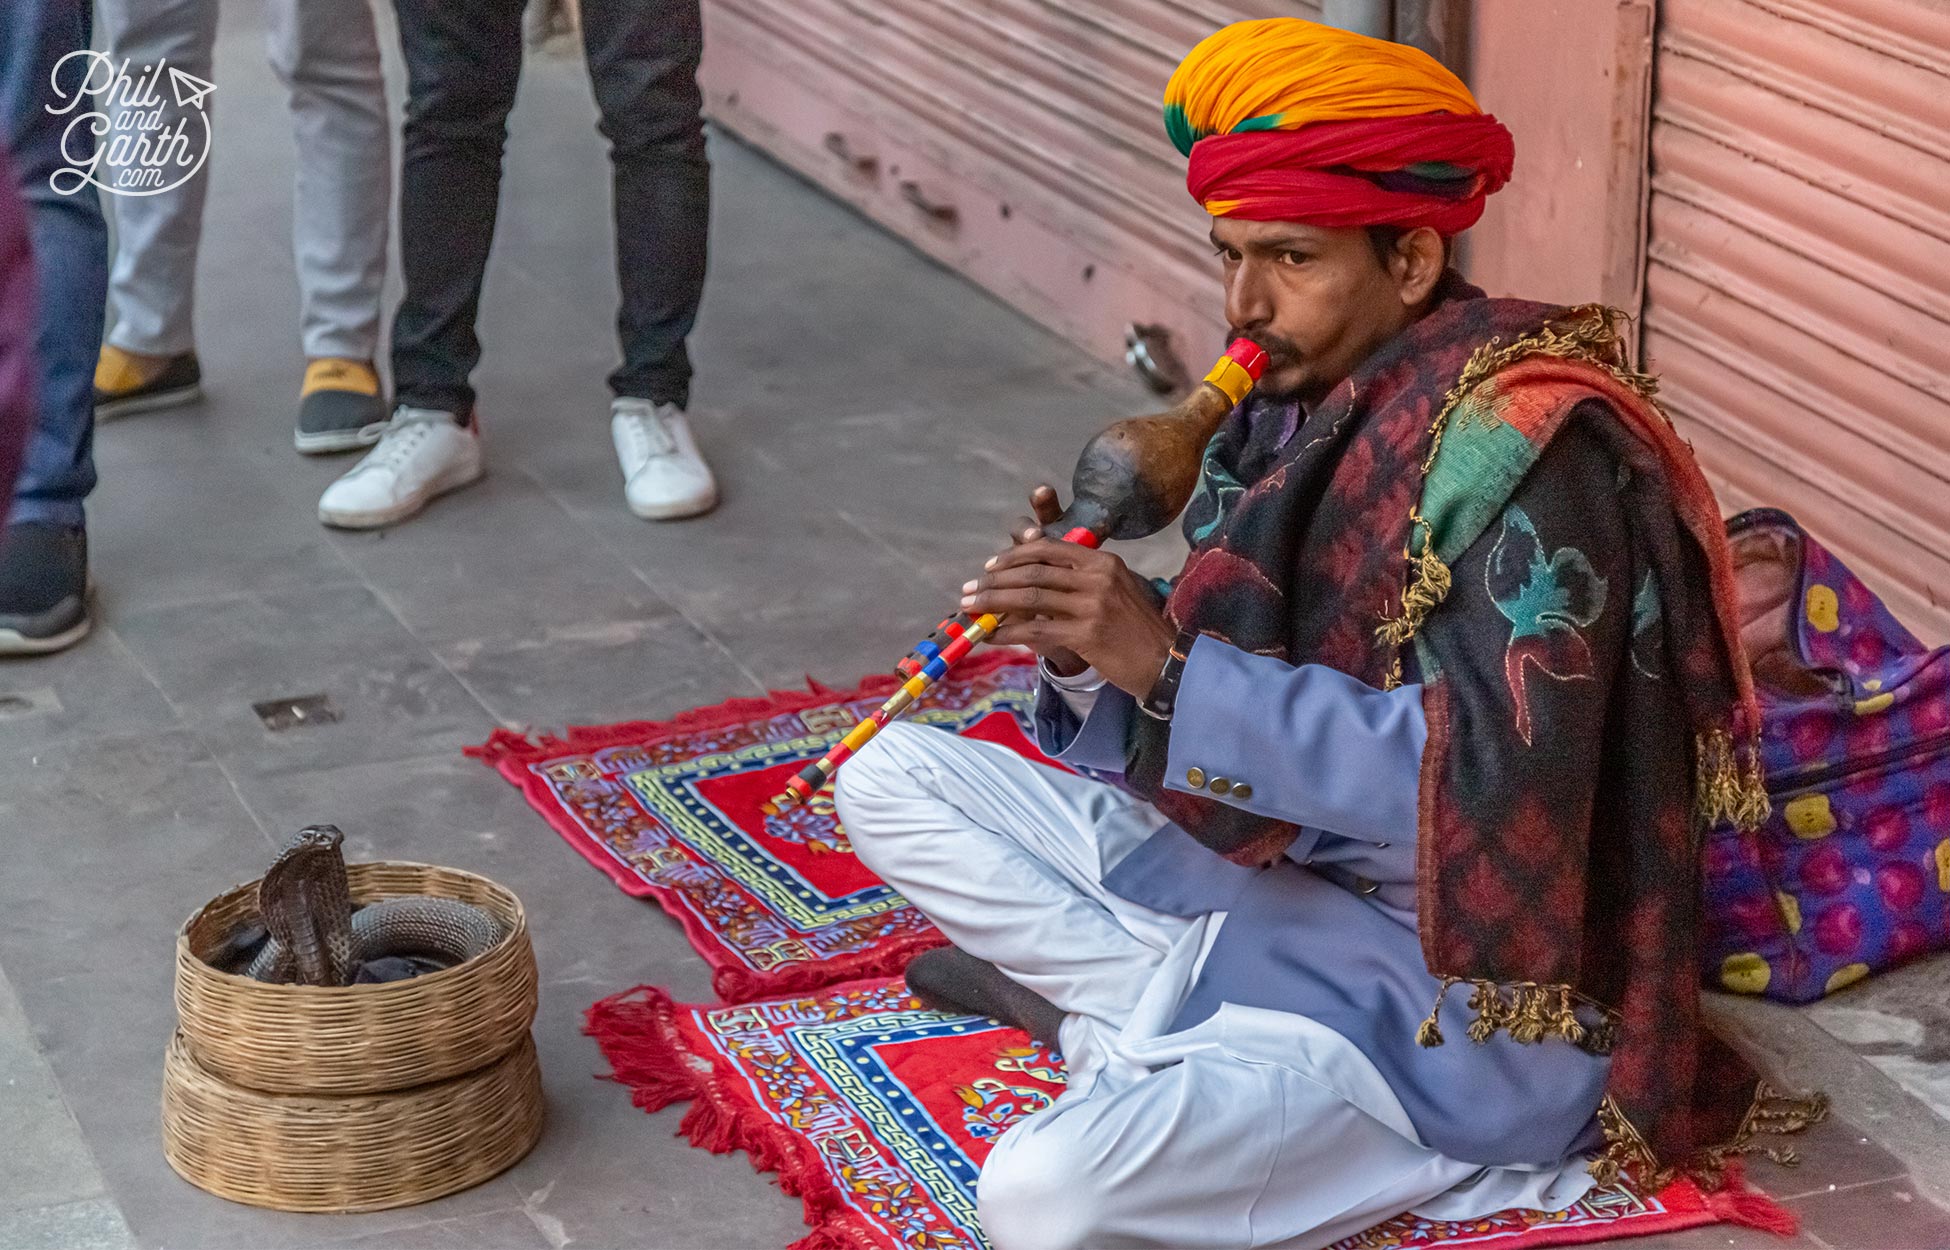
[[1130, 481]]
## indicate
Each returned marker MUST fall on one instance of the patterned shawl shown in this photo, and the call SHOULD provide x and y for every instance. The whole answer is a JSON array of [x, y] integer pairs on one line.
[[1589, 708]]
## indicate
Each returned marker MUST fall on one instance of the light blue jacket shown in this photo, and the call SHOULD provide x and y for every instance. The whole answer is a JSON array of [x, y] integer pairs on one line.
[[1329, 932]]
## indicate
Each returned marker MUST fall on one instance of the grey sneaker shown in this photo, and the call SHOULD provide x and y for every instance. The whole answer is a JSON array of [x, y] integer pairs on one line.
[[43, 588]]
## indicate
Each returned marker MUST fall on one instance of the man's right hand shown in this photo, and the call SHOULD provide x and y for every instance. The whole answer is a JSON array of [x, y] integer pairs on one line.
[[1047, 508]]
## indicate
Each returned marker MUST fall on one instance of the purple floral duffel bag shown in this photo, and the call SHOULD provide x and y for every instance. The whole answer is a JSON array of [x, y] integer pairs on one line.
[[1851, 873]]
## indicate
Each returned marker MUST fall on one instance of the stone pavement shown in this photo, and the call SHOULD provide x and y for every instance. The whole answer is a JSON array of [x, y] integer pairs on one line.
[[874, 420]]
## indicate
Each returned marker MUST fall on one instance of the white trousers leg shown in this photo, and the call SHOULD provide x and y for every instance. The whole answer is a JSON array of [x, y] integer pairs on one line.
[[151, 285], [326, 52], [1253, 1129], [1007, 858]]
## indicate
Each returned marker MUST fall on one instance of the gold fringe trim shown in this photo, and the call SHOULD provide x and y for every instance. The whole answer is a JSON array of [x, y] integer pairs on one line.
[[1588, 333], [1428, 585], [1625, 1150], [1727, 782], [1430, 1032], [1527, 1011], [1770, 1114]]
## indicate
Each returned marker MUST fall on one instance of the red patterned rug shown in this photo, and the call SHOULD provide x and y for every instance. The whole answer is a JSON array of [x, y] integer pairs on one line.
[[670, 811], [878, 1114]]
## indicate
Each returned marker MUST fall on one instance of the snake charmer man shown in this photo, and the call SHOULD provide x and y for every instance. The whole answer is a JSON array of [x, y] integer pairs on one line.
[[1396, 906]]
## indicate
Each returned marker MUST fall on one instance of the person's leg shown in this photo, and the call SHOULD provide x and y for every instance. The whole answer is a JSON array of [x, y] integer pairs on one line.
[[463, 62], [1007, 857], [149, 361], [326, 53], [43, 554], [462, 65], [643, 57], [1211, 1153]]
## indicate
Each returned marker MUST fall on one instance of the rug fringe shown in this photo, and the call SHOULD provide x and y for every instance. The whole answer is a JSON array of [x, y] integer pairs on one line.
[[637, 1032], [505, 746], [836, 1236], [1736, 1202], [734, 984]]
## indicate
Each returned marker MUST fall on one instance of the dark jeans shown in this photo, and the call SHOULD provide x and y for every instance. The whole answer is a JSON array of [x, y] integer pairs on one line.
[[463, 58], [70, 243]]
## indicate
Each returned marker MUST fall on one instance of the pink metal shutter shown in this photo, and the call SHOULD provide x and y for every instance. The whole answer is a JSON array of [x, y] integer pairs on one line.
[[1798, 271], [1018, 141]]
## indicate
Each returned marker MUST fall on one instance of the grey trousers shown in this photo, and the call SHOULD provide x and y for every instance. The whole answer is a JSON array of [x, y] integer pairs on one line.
[[326, 52]]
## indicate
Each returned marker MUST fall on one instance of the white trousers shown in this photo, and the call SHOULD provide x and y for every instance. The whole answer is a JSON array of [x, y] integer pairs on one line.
[[326, 52], [1254, 1128]]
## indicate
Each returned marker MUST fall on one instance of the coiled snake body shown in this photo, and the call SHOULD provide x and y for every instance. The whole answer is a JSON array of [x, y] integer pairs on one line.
[[316, 938]]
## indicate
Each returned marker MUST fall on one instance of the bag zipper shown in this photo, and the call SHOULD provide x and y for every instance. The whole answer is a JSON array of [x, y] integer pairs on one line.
[[1815, 778]]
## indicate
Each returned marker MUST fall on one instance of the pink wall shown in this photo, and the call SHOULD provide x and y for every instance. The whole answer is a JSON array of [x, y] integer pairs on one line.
[[1572, 79]]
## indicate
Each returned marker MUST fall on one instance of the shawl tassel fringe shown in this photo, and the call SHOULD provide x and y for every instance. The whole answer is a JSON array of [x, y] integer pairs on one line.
[[1531, 1013], [1772, 1114]]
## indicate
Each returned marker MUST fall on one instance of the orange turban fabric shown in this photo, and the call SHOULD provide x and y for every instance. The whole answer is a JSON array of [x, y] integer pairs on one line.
[[1288, 120]]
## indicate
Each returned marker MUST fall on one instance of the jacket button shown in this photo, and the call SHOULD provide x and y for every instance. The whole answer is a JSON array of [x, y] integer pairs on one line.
[[1221, 785], [1195, 778], [1364, 886], [1242, 791]]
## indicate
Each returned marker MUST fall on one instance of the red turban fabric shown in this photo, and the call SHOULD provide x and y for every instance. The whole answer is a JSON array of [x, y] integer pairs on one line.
[[1287, 120], [1315, 175]]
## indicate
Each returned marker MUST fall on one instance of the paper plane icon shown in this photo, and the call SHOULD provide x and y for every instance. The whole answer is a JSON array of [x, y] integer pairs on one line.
[[189, 89]]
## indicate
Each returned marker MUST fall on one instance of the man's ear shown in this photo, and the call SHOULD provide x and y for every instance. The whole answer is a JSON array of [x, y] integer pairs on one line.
[[1417, 264]]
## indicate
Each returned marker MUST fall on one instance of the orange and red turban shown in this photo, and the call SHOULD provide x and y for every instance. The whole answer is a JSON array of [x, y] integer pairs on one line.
[[1288, 120]]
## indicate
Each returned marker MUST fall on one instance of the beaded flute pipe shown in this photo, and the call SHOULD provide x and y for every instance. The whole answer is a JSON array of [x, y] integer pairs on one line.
[[1130, 481]]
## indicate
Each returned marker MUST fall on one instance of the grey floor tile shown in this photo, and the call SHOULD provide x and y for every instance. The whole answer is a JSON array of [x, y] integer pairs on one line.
[[497, 559], [1718, 1237], [1900, 1022], [216, 660], [110, 847], [607, 1175], [1881, 1215], [835, 642], [94, 689], [43, 1160], [1832, 1154], [208, 526], [94, 1224], [786, 552], [492, 1230], [595, 672], [441, 808], [1798, 1054]]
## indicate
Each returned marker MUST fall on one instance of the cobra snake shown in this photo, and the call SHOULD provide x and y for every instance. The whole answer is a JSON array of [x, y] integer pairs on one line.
[[316, 938]]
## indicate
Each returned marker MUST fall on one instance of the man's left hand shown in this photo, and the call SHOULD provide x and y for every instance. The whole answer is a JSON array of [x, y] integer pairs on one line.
[[1085, 601]]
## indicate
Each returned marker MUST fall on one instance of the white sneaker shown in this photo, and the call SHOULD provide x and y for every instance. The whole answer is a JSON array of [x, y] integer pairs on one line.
[[422, 454], [664, 475]]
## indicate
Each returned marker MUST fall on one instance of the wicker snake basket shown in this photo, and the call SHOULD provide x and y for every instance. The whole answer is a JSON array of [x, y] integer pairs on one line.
[[357, 1039], [302, 1152]]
